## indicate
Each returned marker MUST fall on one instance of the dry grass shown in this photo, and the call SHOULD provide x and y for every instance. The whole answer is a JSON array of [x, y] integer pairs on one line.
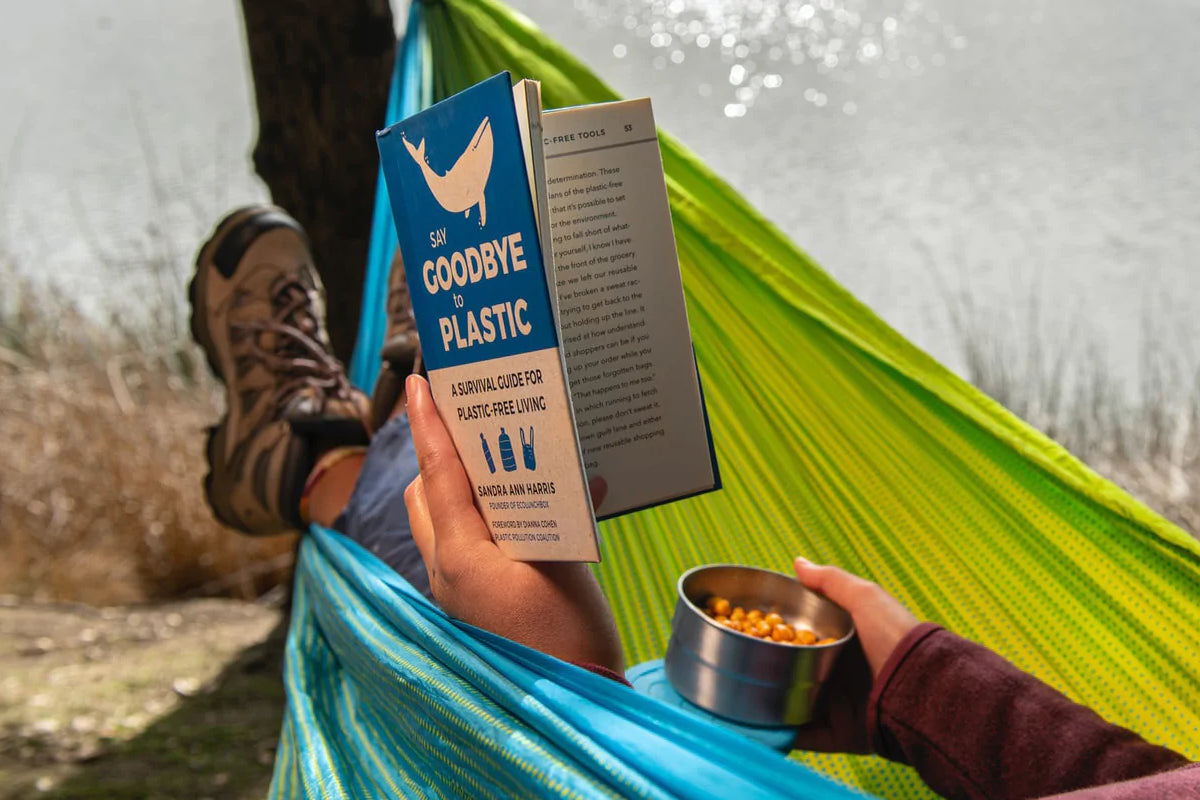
[[1144, 437], [102, 464]]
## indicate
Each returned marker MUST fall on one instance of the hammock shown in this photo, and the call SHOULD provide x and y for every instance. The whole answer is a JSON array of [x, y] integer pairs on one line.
[[837, 438]]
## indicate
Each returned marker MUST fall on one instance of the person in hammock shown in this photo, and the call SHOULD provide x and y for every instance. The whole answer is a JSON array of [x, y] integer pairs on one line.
[[299, 444]]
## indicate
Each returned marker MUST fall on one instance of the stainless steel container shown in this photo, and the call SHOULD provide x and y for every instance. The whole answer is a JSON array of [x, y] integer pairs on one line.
[[734, 675]]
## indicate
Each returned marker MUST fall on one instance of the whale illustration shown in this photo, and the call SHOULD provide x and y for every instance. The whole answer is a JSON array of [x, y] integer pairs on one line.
[[461, 188]]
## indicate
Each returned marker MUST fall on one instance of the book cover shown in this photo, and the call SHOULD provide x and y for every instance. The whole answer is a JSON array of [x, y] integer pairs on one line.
[[460, 192]]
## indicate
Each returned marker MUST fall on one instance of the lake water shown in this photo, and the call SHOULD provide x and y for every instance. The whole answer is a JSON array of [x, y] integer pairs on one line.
[[923, 151]]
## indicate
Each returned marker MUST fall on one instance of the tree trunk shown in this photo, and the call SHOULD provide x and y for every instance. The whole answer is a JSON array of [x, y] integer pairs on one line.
[[321, 71]]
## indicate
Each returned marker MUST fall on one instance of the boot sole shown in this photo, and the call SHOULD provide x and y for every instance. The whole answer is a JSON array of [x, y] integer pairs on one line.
[[198, 324], [199, 283], [215, 435]]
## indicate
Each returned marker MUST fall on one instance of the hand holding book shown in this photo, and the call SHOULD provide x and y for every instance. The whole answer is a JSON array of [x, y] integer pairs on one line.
[[557, 608]]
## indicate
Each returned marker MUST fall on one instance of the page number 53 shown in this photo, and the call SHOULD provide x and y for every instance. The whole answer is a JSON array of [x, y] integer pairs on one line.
[[628, 128]]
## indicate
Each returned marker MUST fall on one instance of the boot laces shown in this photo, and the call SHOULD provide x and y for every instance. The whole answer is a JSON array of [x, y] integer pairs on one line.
[[298, 358]]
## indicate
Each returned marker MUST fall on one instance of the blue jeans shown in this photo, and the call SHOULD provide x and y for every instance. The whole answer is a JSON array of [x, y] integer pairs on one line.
[[376, 517]]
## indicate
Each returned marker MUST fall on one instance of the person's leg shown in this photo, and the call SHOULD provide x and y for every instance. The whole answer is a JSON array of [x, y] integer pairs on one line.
[[258, 312], [375, 515], [360, 494], [291, 448], [330, 486]]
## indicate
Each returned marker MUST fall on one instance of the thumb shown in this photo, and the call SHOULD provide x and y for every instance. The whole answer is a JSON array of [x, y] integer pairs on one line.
[[847, 590], [421, 526], [881, 620], [446, 489]]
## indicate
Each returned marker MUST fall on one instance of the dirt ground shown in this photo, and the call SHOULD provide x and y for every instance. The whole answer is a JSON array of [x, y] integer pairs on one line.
[[179, 700]]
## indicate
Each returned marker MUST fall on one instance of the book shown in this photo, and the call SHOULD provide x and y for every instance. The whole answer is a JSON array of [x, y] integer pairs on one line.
[[541, 263]]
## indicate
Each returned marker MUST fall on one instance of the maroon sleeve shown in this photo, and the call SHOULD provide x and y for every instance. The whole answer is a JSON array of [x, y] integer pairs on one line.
[[975, 726]]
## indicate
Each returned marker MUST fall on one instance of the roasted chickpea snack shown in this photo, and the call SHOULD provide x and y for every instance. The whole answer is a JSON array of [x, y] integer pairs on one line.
[[760, 624]]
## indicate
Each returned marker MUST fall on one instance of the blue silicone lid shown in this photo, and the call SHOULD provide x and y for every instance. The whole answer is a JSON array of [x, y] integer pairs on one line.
[[650, 678]]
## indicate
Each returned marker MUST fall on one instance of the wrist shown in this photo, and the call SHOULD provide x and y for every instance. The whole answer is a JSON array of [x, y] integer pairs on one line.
[[901, 657]]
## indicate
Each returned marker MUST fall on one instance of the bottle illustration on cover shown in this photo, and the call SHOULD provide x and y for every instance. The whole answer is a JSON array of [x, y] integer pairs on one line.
[[487, 454], [507, 459], [527, 454]]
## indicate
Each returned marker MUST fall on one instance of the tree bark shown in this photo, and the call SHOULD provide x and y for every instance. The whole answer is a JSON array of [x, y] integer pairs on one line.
[[321, 72]]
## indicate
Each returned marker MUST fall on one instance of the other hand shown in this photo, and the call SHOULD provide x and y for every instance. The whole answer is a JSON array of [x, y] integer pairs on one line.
[[880, 622]]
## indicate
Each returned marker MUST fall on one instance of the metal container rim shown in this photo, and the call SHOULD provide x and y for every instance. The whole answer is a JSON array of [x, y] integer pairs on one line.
[[710, 621]]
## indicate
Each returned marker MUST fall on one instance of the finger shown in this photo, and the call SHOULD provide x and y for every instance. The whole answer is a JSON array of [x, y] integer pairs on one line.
[[421, 524], [836, 584], [598, 487], [445, 486]]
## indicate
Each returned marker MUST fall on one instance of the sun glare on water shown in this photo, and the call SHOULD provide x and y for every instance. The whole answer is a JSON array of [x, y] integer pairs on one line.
[[765, 41]]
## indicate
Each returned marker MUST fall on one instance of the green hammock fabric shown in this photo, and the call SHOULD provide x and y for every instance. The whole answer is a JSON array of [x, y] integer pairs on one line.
[[840, 440]]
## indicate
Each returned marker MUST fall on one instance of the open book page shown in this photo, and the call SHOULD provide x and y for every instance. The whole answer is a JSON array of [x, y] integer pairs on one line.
[[622, 316]]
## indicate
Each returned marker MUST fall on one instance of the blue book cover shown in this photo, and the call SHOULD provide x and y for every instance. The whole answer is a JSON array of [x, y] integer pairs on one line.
[[457, 179]]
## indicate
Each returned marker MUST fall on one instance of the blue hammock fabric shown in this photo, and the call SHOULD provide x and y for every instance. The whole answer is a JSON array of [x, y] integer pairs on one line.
[[389, 697], [410, 91]]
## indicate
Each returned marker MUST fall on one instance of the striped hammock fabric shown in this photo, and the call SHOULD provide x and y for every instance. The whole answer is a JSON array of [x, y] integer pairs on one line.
[[837, 439], [387, 697]]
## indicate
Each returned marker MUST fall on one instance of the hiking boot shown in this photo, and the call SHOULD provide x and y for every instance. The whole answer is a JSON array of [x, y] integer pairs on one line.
[[258, 311], [401, 352]]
